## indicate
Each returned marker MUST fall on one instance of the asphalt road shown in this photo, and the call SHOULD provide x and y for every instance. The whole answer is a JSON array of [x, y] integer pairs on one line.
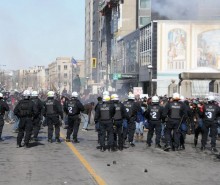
[[82, 164]]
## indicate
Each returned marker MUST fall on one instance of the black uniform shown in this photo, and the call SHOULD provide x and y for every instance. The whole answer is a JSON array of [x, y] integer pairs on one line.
[[72, 108], [25, 110], [154, 116], [209, 116], [197, 122], [38, 118], [52, 110], [3, 108], [132, 109], [104, 114], [97, 125], [186, 124], [175, 111], [120, 114]]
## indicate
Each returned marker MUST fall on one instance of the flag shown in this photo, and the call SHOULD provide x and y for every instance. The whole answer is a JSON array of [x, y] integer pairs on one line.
[[73, 61]]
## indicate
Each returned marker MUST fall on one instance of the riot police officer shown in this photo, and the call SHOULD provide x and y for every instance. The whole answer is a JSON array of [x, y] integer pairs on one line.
[[132, 109], [53, 113], [104, 114], [25, 110], [97, 125], [3, 108], [175, 112], [38, 118], [72, 108], [120, 114], [154, 116], [209, 116], [186, 124]]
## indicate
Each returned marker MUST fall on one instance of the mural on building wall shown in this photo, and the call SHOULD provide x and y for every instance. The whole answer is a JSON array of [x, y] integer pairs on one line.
[[209, 49], [176, 49]]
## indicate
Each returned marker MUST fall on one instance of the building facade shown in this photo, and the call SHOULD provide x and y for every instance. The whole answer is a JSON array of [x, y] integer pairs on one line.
[[62, 72], [111, 20]]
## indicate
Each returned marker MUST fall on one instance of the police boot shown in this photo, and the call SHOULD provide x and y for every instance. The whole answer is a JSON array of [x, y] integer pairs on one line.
[[112, 149], [75, 140], [102, 148], [182, 147], [148, 144], [98, 147], [158, 146], [141, 138], [203, 148], [120, 148], [26, 145], [132, 144], [167, 148], [19, 145], [58, 140], [214, 150]]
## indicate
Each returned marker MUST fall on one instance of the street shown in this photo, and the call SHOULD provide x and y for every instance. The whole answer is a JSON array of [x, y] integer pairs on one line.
[[82, 164]]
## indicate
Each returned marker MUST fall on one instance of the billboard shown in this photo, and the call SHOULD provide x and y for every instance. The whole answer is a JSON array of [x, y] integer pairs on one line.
[[185, 46], [188, 45]]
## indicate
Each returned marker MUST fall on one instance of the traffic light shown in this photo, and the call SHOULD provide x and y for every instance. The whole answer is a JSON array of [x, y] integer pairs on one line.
[[93, 62]]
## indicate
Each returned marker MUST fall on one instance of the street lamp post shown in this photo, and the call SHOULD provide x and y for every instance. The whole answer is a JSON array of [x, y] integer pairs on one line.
[[150, 68]]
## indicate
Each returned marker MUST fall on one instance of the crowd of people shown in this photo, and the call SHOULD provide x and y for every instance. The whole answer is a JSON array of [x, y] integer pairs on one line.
[[118, 120]]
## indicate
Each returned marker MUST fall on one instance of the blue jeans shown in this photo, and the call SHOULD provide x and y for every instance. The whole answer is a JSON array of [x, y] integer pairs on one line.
[[85, 120], [15, 126], [139, 127], [162, 129], [11, 115]]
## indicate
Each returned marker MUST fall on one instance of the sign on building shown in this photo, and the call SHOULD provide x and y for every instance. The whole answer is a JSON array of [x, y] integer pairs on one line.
[[138, 90]]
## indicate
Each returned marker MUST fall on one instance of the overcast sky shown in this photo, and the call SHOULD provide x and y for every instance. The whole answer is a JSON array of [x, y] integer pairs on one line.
[[35, 32]]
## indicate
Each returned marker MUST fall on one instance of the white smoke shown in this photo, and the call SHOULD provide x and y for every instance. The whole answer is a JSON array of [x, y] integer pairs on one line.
[[187, 9]]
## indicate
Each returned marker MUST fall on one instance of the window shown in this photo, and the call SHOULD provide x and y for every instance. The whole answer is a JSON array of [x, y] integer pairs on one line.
[[144, 4], [143, 21], [65, 75], [65, 83], [65, 67], [58, 67]]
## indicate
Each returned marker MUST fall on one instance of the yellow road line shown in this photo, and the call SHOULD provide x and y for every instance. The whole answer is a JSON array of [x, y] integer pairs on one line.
[[97, 178]]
